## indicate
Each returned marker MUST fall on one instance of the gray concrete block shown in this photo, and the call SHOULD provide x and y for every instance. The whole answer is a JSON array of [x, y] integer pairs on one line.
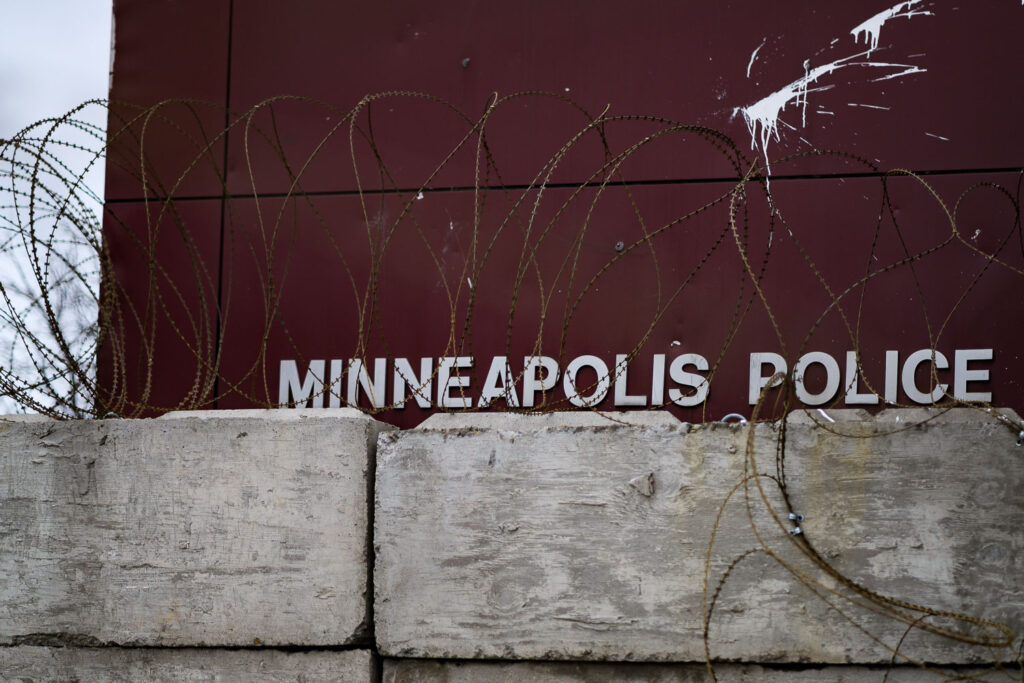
[[27, 664], [590, 543], [428, 671], [199, 530]]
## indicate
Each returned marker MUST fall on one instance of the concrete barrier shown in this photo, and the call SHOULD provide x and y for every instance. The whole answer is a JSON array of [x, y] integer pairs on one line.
[[207, 528], [29, 664], [506, 537], [512, 537]]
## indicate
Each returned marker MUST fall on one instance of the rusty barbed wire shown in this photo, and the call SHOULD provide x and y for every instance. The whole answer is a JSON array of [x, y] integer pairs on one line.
[[172, 296]]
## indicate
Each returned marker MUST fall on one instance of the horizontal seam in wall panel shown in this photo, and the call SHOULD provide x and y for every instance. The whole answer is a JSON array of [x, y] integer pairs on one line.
[[569, 185]]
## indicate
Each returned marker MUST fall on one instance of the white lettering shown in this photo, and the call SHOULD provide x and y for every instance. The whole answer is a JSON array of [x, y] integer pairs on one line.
[[289, 388], [446, 382], [688, 379], [621, 380], [892, 369], [421, 386], [600, 387], [910, 369], [358, 377], [658, 380], [334, 388], [961, 375], [853, 397], [499, 384], [531, 384], [832, 378], [758, 379]]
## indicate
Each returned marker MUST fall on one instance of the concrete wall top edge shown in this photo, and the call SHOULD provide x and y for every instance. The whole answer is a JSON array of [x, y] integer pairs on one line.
[[23, 417], [588, 418], [568, 418], [945, 414], [271, 414], [660, 418]]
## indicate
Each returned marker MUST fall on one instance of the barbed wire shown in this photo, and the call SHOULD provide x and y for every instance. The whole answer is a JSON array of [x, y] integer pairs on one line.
[[186, 294]]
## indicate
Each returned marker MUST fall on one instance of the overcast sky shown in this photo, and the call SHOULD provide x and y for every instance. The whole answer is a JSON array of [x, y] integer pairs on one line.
[[54, 54]]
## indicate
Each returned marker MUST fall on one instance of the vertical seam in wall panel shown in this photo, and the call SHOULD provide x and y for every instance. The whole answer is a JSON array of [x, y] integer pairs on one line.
[[223, 205]]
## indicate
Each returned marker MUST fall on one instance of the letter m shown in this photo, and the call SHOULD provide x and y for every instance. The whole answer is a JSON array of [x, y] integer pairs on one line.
[[291, 392]]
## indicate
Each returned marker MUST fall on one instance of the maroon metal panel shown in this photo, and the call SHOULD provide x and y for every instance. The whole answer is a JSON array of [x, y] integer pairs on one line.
[[911, 102], [167, 50], [158, 345], [674, 256]]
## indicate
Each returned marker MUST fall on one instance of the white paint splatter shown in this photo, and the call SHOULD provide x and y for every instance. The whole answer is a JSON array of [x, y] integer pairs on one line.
[[419, 196], [826, 111], [869, 106], [977, 232], [753, 55], [872, 28], [937, 137], [907, 70], [825, 415], [763, 117], [674, 343]]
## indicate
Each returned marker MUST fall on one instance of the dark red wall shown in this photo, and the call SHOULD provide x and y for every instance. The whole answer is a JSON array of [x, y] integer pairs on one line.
[[293, 230]]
